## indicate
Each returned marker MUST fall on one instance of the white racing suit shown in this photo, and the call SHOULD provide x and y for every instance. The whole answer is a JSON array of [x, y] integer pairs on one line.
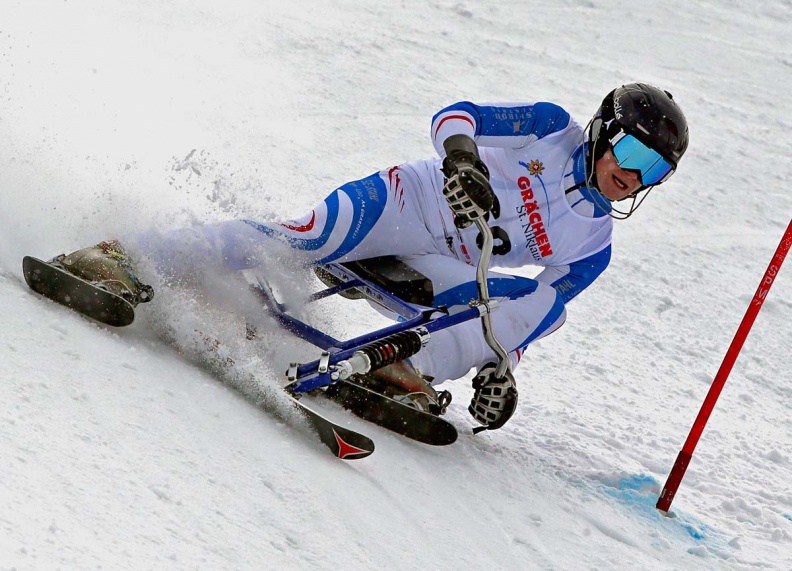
[[544, 216]]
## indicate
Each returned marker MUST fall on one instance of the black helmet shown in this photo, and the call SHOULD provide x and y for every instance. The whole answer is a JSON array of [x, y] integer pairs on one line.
[[649, 114]]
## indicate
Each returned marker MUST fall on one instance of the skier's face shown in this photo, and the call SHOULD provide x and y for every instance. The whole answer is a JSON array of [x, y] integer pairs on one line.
[[614, 182]]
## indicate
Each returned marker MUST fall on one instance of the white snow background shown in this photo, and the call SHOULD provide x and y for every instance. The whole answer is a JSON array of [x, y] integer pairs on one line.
[[121, 452]]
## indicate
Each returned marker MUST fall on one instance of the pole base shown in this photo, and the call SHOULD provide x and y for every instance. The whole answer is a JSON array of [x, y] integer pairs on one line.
[[673, 481]]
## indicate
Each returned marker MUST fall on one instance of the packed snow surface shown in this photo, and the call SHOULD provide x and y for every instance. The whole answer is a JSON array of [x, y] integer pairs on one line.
[[122, 449]]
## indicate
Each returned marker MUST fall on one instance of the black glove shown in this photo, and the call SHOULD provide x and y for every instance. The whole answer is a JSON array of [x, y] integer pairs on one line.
[[495, 400], [467, 188]]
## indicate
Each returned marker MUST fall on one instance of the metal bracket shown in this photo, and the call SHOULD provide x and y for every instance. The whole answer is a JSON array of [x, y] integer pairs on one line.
[[324, 362]]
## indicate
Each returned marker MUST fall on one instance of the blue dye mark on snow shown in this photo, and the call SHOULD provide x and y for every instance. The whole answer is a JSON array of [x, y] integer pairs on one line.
[[640, 492], [693, 532]]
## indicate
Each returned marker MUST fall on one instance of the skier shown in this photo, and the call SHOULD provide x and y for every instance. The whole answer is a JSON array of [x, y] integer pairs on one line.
[[546, 185]]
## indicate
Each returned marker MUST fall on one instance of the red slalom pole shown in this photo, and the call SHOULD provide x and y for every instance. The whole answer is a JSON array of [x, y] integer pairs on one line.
[[683, 459]]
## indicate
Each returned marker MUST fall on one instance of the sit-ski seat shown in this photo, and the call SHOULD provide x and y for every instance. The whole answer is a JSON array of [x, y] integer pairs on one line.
[[389, 273]]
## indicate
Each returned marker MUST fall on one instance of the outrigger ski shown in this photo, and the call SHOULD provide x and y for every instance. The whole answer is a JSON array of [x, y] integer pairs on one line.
[[82, 296]]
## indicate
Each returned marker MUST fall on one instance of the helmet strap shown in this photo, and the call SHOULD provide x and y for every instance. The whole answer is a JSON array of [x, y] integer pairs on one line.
[[598, 144], [619, 215]]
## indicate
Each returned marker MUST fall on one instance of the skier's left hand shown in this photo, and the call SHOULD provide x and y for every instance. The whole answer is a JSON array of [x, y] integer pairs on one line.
[[495, 400]]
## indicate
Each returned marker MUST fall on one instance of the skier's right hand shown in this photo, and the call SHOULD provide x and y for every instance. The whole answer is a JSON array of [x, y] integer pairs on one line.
[[467, 188], [495, 399]]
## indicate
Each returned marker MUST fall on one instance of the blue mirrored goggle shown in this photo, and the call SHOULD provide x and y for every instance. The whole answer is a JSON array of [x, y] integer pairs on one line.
[[632, 154]]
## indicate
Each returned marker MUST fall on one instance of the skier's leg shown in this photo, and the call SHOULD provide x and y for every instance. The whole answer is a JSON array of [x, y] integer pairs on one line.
[[370, 217], [374, 216], [528, 311]]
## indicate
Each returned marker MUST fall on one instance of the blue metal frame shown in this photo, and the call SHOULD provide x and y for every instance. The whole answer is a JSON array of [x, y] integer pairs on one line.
[[315, 374]]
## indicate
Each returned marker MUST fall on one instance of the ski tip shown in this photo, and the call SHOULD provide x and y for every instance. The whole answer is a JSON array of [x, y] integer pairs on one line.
[[28, 262], [348, 451], [344, 443]]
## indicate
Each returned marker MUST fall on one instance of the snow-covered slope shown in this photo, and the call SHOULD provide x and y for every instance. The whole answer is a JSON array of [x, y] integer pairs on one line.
[[120, 452]]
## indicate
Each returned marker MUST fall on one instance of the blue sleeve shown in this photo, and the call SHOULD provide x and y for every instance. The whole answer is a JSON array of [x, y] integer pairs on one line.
[[538, 119], [577, 276]]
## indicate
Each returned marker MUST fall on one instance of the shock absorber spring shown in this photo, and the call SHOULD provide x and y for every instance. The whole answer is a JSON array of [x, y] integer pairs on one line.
[[376, 355], [397, 347]]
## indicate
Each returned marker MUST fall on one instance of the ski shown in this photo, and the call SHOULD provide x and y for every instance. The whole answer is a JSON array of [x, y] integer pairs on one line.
[[392, 415], [83, 297], [342, 442], [53, 282]]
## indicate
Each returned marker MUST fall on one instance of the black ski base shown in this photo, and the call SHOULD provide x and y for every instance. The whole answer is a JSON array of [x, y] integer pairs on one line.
[[77, 294], [392, 415]]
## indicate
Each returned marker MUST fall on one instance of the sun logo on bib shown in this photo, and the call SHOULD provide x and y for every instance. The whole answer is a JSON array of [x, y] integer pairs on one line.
[[535, 168]]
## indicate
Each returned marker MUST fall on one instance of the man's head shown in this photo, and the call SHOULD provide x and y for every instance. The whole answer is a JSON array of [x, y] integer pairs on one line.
[[636, 141]]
